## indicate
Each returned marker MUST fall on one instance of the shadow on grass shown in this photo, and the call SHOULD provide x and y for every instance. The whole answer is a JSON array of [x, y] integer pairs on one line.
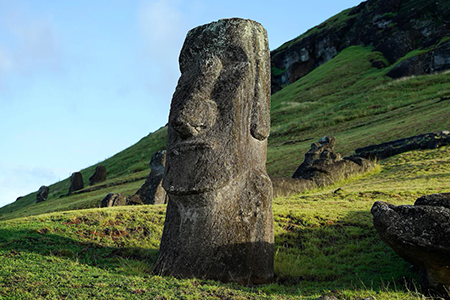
[[91, 253], [346, 255]]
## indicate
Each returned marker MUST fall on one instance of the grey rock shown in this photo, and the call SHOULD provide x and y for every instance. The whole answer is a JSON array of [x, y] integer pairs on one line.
[[98, 176], [219, 222], [42, 194], [323, 166], [113, 199], [435, 200], [76, 182], [430, 140], [420, 235], [152, 192]]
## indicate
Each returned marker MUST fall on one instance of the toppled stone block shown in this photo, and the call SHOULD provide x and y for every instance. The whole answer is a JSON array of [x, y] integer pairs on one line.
[[113, 199], [324, 166], [420, 234], [430, 140]]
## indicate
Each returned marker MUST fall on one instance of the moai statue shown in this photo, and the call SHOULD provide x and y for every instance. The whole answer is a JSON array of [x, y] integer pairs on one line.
[[98, 176], [151, 192], [219, 222], [42, 194], [76, 182]]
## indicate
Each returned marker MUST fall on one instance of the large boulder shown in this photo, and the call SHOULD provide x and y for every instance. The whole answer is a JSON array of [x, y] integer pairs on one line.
[[113, 199], [42, 194], [152, 192], [98, 176], [324, 166], [420, 234], [219, 222], [76, 182]]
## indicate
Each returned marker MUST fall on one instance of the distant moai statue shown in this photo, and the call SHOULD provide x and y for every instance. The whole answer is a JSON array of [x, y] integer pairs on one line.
[[42, 194], [219, 221], [76, 182], [98, 176], [152, 192]]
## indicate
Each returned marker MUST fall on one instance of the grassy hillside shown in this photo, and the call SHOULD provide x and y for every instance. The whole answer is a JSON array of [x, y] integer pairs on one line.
[[66, 248], [325, 244]]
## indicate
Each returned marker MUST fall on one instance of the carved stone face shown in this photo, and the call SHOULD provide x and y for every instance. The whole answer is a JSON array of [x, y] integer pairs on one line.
[[218, 121]]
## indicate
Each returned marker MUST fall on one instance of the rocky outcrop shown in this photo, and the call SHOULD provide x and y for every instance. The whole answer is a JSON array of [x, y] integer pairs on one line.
[[219, 222], [152, 192], [324, 166], [430, 140], [76, 182], [393, 27], [433, 61], [419, 234], [42, 194], [113, 199], [98, 176]]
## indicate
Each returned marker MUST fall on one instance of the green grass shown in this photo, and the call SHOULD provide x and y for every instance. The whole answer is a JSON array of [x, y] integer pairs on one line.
[[325, 244]]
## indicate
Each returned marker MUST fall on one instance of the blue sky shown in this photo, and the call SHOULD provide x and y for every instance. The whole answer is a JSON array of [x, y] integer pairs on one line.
[[82, 80]]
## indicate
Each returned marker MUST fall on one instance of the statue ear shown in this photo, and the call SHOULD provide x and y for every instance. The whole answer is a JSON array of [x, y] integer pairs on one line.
[[260, 121]]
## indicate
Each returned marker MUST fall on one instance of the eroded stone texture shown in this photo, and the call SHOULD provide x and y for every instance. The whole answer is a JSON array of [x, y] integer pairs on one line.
[[323, 166], [42, 194], [98, 176], [76, 182], [419, 234], [219, 222], [152, 192], [113, 199]]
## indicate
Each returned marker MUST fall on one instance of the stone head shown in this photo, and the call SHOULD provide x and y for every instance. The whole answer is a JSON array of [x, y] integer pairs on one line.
[[219, 118]]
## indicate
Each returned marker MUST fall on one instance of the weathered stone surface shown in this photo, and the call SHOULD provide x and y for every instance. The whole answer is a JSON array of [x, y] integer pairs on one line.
[[323, 166], [219, 222], [420, 235], [435, 200], [113, 199], [98, 176], [430, 140], [42, 194], [76, 182], [152, 192]]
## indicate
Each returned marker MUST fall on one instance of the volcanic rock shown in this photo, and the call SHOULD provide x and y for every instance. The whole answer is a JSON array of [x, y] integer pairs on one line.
[[219, 222], [98, 176], [113, 199], [323, 166], [42, 194], [152, 192], [420, 235], [76, 182]]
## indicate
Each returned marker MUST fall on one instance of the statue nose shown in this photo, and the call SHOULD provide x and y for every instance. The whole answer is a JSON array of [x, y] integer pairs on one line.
[[197, 116]]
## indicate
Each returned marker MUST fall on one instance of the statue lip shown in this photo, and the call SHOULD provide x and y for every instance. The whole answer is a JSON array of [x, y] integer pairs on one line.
[[190, 146]]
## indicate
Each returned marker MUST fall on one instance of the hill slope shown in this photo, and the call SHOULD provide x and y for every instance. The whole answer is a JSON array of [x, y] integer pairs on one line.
[[324, 244], [347, 97]]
